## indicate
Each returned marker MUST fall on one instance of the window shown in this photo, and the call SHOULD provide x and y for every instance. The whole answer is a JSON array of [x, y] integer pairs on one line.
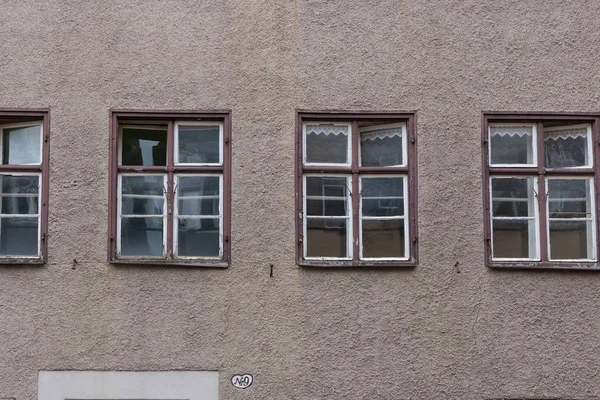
[[23, 186], [540, 190], [170, 188], [356, 189]]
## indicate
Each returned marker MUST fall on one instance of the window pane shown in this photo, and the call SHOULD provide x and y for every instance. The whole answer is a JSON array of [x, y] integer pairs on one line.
[[326, 237], [381, 147], [19, 194], [382, 196], [511, 144], [326, 196], [142, 206], [570, 240], [514, 239], [19, 236], [22, 145], [141, 236], [383, 238], [198, 237], [198, 195], [566, 147], [513, 197], [199, 144], [327, 144], [150, 185], [145, 146], [569, 198]]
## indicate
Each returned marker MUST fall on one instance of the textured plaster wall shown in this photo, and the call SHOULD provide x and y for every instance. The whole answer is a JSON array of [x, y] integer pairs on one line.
[[424, 333]]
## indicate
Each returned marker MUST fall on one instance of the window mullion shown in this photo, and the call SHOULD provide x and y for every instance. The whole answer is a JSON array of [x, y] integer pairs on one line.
[[542, 195], [355, 195], [170, 186]]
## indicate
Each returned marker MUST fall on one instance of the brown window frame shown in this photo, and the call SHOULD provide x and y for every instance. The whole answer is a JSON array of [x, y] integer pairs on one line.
[[540, 172], [41, 116], [171, 117], [355, 171]]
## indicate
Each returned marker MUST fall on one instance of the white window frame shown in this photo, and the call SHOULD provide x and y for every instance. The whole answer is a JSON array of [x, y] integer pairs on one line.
[[176, 216], [176, 143], [591, 240], [590, 155], [534, 153], [348, 217], [348, 138], [38, 215], [120, 215], [536, 218], [3, 127], [371, 128], [382, 218]]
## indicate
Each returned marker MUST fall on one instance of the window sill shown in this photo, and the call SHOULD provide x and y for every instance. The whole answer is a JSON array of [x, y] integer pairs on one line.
[[571, 265], [22, 261], [172, 263], [356, 264]]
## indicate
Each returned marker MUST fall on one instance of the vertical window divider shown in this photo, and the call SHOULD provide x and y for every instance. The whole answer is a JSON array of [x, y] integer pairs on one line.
[[596, 179], [170, 185], [542, 197], [355, 195]]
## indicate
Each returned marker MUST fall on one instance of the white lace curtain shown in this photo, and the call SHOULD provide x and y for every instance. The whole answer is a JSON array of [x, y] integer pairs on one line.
[[548, 135]]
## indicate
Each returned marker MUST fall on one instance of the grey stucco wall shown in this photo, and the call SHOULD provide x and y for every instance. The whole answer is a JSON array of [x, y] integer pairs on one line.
[[423, 333]]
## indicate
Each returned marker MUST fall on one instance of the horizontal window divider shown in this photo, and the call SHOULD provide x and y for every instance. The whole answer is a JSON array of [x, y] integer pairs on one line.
[[333, 198], [206, 169], [209, 197], [19, 195], [20, 168], [142, 215], [382, 218], [183, 262], [19, 215], [568, 199], [142, 196], [342, 169], [513, 171], [217, 216], [513, 218], [141, 169], [512, 199], [570, 171], [383, 170], [570, 219], [375, 263], [327, 216], [382, 197]]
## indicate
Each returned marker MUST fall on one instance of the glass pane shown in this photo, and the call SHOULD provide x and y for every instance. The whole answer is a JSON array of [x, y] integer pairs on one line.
[[326, 238], [144, 145], [19, 194], [513, 197], [383, 238], [570, 240], [382, 196], [22, 145], [198, 195], [199, 144], [142, 206], [326, 196], [19, 236], [198, 237], [514, 239], [569, 198], [327, 144], [381, 147], [566, 147], [511, 144], [150, 185], [141, 236]]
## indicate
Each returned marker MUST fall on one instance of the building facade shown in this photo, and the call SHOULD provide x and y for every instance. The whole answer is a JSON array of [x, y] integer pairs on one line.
[[469, 283]]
